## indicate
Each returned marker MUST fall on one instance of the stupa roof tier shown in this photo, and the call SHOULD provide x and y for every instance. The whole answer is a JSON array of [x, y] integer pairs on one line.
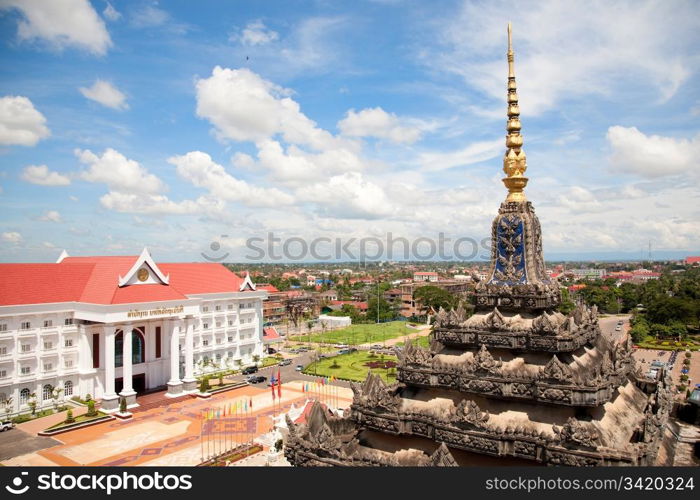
[[522, 330], [588, 376]]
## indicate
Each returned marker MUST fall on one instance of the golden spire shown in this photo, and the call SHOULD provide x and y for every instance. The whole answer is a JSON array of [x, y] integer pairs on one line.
[[514, 163]]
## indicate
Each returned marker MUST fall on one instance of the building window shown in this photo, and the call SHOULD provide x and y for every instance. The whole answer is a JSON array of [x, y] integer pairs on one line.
[[205, 325], [158, 342], [26, 325], [24, 396], [229, 354], [25, 370], [138, 352], [3, 350], [48, 323], [205, 308], [218, 308], [3, 327], [46, 392], [95, 350], [218, 356], [48, 367], [205, 343], [48, 345], [68, 388], [68, 343], [230, 339], [69, 363], [230, 307], [3, 374], [26, 348], [68, 321]]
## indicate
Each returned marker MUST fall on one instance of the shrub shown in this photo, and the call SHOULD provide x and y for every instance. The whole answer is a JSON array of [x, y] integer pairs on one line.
[[688, 355], [686, 361], [684, 378], [69, 417], [91, 412], [335, 364], [88, 397], [278, 445], [221, 380], [122, 405], [204, 384]]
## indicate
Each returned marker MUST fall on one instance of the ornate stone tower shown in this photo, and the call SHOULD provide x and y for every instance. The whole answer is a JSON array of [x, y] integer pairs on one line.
[[518, 382]]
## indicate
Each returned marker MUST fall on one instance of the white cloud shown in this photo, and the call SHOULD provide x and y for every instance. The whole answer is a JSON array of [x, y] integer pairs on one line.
[[375, 122], [651, 155], [61, 23], [347, 196], [149, 17], [40, 174], [245, 107], [111, 13], [12, 237], [20, 122], [105, 93], [51, 216], [48, 244], [118, 172], [256, 33], [473, 153], [154, 204], [569, 51], [199, 169], [295, 166]]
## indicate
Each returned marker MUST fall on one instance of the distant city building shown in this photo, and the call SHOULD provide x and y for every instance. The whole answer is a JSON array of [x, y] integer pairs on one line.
[[589, 274], [425, 276], [692, 261]]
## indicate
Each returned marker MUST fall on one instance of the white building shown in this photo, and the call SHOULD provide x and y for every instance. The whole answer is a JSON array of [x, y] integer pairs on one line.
[[62, 326], [425, 276]]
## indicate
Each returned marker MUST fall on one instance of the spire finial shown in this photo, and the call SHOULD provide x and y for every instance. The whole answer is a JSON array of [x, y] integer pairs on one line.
[[514, 162]]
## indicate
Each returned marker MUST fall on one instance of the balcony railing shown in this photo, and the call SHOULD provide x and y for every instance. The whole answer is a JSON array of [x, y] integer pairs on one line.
[[29, 332]]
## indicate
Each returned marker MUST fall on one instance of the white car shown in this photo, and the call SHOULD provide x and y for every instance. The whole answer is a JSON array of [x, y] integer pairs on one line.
[[6, 426]]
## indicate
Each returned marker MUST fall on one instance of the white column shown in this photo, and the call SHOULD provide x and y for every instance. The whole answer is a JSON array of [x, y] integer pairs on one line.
[[109, 399], [127, 368], [174, 384], [189, 382]]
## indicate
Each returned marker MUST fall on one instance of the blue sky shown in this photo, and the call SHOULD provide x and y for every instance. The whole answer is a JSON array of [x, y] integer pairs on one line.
[[169, 124]]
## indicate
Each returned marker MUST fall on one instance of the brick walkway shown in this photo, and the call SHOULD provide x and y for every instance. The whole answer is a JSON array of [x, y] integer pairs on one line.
[[166, 431]]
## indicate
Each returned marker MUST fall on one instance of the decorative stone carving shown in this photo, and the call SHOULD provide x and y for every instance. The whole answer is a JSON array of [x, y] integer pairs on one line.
[[557, 371], [483, 361], [574, 431], [442, 457], [468, 412]]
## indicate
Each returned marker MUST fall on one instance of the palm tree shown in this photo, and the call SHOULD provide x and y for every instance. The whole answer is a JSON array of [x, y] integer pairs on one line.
[[8, 405], [55, 395], [309, 326], [256, 358]]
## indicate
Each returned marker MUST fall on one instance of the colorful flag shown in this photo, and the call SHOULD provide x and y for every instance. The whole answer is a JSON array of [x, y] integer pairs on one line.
[[272, 388], [251, 403], [279, 384]]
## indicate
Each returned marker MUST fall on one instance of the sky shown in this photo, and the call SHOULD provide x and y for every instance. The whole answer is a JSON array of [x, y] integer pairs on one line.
[[192, 127]]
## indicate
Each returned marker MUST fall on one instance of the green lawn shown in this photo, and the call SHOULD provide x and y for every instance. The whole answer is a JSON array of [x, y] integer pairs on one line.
[[351, 367], [78, 419], [373, 333], [419, 341]]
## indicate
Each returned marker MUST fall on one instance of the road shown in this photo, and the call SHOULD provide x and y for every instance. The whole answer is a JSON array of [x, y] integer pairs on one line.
[[608, 325]]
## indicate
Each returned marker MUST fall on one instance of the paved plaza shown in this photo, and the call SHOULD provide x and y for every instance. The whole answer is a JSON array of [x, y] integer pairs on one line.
[[162, 435]]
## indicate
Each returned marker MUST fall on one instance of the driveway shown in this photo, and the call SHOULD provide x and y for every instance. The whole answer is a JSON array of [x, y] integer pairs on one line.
[[17, 442]]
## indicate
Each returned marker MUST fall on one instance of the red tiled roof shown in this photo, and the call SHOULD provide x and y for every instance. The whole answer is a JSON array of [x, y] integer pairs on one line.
[[266, 287], [270, 333], [692, 260], [362, 306], [95, 280]]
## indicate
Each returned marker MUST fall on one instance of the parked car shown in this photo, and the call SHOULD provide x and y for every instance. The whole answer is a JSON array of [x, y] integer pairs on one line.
[[618, 328], [249, 369], [299, 368], [347, 350], [6, 426], [342, 346], [270, 350], [285, 362], [376, 346], [256, 379]]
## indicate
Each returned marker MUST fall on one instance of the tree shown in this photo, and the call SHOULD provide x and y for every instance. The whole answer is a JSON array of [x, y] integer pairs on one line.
[[385, 311], [122, 405], [69, 417], [8, 405], [55, 395], [91, 412], [432, 298], [32, 403], [256, 358], [566, 305]]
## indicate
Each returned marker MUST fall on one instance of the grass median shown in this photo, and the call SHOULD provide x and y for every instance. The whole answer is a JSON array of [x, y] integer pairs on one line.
[[354, 366]]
